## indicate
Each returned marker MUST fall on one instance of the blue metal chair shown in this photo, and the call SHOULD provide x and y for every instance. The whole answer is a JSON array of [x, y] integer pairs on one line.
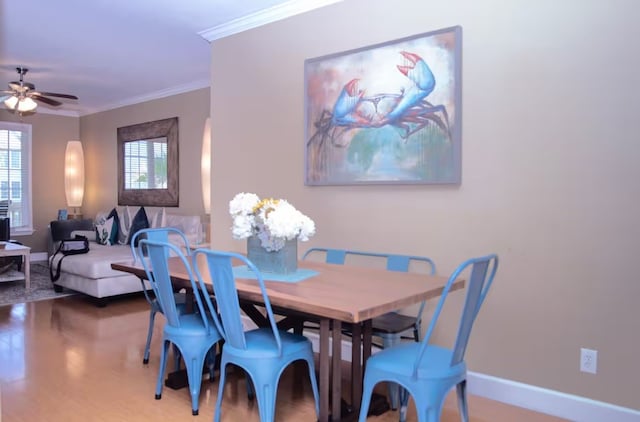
[[160, 235], [195, 335], [263, 353], [390, 326], [425, 371]]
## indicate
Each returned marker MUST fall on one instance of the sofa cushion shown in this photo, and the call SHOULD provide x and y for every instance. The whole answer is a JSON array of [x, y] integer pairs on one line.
[[188, 224], [97, 263]]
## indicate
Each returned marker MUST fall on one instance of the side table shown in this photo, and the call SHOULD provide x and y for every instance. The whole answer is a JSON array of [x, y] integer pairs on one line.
[[14, 249]]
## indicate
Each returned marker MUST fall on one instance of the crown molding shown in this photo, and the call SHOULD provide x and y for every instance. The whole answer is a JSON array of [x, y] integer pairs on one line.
[[263, 17], [45, 110], [58, 112], [180, 89]]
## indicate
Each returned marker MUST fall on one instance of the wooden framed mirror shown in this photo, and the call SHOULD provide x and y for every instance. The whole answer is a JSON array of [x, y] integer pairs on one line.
[[148, 164]]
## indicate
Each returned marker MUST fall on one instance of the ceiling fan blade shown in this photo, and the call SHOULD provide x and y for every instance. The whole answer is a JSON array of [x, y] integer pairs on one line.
[[45, 100], [53, 94]]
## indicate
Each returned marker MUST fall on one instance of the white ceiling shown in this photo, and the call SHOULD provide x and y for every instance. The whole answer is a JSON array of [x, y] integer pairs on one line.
[[112, 53]]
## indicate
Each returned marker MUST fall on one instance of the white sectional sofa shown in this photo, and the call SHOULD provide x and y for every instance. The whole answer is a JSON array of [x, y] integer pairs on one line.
[[91, 273]]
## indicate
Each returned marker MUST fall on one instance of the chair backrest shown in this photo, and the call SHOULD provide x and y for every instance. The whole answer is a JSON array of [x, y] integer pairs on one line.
[[224, 286], [394, 262], [159, 234], [481, 274], [157, 270]]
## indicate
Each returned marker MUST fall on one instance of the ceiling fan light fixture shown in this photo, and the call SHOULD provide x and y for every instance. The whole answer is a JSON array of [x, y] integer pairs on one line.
[[24, 95], [22, 105], [11, 102], [26, 104]]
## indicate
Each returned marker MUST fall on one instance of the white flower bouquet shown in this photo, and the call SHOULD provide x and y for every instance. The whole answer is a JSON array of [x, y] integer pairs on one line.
[[273, 221]]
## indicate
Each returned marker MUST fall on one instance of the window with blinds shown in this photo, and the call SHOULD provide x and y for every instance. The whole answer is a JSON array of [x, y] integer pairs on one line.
[[145, 164], [15, 175]]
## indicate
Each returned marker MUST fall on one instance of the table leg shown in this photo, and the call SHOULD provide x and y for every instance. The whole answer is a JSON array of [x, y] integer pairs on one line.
[[379, 403], [356, 367], [336, 371], [367, 331], [324, 369], [27, 270]]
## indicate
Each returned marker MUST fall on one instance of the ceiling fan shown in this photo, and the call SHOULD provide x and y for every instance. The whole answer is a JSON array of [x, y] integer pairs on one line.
[[23, 95]]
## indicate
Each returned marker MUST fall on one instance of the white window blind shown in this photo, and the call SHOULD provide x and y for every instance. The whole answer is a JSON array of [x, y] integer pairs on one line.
[[145, 164], [15, 175]]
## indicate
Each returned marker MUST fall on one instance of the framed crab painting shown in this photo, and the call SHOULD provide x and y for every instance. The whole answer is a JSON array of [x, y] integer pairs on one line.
[[386, 114]]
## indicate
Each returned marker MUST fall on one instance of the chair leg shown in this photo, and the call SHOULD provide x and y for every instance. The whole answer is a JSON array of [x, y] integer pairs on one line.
[[147, 347], [211, 362], [223, 375], [366, 401], [176, 358], [194, 364], [161, 369], [416, 331], [429, 400], [390, 340], [266, 398], [404, 403], [314, 384], [251, 393], [461, 389]]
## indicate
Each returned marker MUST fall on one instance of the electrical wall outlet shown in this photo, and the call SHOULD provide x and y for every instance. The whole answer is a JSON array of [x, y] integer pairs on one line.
[[589, 360]]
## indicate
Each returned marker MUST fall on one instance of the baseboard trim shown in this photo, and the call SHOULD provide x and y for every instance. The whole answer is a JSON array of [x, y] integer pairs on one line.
[[543, 400], [551, 402], [38, 256]]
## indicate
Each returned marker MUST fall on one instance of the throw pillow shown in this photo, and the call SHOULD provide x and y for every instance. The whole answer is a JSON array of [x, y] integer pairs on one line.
[[139, 222], [102, 217], [113, 237], [123, 225], [159, 220], [103, 231]]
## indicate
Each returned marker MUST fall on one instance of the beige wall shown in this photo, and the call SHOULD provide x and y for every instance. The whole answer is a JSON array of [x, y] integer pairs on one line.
[[550, 171], [99, 136], [50, 134]]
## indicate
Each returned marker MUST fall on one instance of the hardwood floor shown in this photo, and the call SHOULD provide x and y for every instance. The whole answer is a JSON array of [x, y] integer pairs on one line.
[[67, 360]]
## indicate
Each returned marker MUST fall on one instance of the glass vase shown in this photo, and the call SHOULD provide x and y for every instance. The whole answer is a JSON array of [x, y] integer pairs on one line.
[[284, 261]]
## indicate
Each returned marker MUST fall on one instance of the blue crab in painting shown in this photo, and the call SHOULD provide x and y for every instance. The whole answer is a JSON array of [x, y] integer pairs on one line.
[[408, 111]]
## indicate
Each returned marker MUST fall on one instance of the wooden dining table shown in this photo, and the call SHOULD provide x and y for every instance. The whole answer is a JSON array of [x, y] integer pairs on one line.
[[336, 295]]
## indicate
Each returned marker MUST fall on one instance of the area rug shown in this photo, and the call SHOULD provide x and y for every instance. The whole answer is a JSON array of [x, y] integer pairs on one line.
[[12, 292]]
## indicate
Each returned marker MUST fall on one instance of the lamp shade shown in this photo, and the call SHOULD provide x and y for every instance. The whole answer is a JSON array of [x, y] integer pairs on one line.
[[24, 104], [11, 102], [205, 166], [74, 174]]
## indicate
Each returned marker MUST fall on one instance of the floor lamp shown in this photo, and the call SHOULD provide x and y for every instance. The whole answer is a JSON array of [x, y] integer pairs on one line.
[[205, 167], [74, 177]]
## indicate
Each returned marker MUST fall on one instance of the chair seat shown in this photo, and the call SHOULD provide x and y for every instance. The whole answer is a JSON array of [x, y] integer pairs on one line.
[[435, 363], [393, 322], [261, 344]]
